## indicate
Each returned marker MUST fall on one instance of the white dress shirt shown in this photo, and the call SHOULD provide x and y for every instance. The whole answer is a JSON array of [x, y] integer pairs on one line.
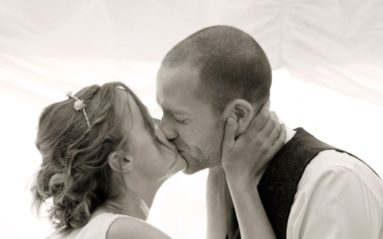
[[338, 197]]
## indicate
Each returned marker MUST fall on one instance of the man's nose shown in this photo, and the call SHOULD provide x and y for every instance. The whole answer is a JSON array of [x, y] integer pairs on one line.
[[168, 130]]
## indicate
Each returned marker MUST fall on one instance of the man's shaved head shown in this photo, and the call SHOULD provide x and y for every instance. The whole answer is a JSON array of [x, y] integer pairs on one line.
[[231, 65]]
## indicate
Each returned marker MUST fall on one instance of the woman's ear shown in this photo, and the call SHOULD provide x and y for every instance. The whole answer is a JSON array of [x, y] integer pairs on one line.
[[242, 111], [120, 163]]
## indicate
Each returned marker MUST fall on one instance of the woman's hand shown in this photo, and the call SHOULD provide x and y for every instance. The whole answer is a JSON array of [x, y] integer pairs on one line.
[[247, 156], [244, 159]]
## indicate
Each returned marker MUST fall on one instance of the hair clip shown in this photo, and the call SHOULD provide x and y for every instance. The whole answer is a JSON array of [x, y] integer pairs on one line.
[[79, 105]]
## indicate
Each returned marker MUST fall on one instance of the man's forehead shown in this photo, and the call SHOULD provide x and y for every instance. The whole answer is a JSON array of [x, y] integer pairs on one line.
[[174, 105], [184, 74], [176, 88]]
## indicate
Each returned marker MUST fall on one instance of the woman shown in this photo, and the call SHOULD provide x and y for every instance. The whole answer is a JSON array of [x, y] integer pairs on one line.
[[103, 162]]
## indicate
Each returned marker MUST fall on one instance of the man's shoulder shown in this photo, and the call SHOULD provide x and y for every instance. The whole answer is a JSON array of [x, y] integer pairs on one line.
[[332, 159], [340, 165]]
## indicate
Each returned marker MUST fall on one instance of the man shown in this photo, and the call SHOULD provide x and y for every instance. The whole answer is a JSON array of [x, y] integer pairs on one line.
[[309, 189]]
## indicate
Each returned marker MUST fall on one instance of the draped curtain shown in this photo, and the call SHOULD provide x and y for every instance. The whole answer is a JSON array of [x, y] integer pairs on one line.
[[333, 43]]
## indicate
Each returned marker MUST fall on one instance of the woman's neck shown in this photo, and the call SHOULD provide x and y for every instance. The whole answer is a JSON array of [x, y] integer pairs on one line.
[[135, 202]]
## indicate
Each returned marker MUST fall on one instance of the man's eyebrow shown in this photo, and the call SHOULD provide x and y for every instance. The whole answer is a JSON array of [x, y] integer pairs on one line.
[[175, 112], [166, 108]]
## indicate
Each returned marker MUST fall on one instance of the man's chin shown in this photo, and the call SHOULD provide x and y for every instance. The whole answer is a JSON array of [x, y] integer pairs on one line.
[[193, 165], [180, 164], [191, 170], [188, 172]]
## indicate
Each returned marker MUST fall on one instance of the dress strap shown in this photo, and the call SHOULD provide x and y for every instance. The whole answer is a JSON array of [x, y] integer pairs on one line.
[[97, 227]]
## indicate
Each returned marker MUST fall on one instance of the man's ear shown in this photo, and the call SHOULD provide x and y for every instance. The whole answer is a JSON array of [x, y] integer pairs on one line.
[[242, 111], [120, 162]]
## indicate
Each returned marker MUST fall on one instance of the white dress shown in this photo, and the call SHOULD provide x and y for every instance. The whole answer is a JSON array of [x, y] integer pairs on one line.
[[96, 228]]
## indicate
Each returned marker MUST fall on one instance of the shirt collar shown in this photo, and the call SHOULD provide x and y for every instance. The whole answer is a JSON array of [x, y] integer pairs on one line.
[[289, 133]]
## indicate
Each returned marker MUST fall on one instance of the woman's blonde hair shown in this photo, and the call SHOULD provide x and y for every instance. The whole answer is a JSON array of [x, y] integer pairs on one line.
[[74, 172]]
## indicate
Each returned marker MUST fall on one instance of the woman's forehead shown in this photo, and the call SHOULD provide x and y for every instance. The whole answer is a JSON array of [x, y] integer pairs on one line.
[[136, 109]]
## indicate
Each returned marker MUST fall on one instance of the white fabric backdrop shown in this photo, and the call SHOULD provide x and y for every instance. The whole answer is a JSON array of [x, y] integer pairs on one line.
[[327, 57]]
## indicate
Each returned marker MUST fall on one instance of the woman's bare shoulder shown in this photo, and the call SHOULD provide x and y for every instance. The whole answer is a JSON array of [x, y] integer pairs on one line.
[[133, 228]]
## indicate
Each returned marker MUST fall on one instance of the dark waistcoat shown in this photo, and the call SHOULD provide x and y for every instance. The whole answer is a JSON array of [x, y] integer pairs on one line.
[[280, 180]]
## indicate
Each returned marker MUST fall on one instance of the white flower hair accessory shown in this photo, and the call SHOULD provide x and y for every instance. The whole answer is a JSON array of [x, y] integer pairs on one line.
[[79, 105]]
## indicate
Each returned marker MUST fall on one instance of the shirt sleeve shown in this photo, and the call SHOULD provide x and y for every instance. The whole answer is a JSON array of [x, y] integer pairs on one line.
[[335, 204]]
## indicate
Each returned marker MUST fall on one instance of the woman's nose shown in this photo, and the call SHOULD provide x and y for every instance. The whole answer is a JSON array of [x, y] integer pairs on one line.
[[162, 138], [167, 129]]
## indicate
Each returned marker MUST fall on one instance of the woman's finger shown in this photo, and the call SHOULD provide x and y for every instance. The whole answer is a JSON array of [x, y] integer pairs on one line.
[[260, 119], [280, 141], [282, 136], [276, 130], [229, 134], [269, 126]]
